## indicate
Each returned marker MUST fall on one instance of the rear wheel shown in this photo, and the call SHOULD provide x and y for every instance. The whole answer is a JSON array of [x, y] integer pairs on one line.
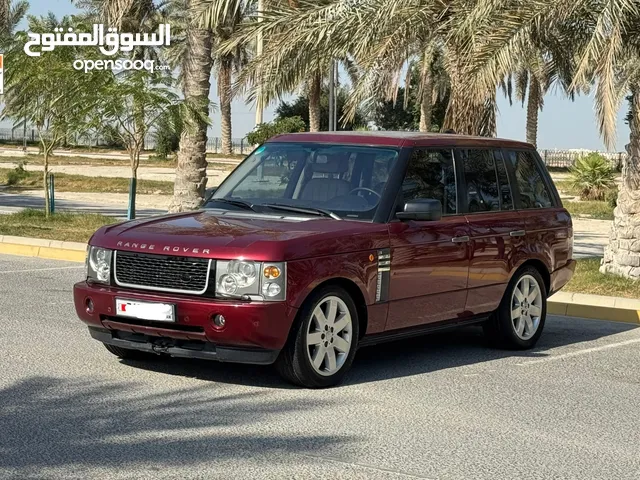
[[126, 353], [519, 320], [323, 343]]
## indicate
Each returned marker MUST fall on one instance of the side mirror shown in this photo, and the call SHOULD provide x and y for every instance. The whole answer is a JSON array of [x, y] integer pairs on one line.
[[423, 209]]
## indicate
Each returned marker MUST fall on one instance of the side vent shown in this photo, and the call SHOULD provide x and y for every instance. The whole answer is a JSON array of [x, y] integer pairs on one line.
[[384, 271]]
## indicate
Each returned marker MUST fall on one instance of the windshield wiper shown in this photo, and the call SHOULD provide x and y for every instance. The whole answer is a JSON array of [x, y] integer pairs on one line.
[[309, 210], [237, 203]]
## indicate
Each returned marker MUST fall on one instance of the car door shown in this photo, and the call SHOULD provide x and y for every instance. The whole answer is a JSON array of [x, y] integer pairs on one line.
[[548, 226], [497, 229], [429, 259]]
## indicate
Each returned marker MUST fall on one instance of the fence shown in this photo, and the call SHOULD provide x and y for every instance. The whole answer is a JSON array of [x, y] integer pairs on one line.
[[214, 144], [552, 158], [567, 158]]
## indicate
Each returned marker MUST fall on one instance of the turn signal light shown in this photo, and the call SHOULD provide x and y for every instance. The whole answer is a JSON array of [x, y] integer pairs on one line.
[[271, 272]]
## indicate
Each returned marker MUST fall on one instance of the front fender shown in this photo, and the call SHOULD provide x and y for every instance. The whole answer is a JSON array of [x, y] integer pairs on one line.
[[303, 276]]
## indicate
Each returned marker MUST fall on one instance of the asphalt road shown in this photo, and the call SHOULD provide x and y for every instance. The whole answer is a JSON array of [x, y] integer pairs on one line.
[[441, 407]]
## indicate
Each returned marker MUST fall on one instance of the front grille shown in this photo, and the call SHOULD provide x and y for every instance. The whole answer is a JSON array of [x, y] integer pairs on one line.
[[161, 272]]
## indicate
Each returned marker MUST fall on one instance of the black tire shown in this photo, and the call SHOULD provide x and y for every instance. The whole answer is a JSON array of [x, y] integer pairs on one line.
[[294, 363], [500, 329], [126, 353]]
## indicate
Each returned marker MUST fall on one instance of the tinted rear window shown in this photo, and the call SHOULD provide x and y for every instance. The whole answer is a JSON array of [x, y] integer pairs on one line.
[[534, 192]]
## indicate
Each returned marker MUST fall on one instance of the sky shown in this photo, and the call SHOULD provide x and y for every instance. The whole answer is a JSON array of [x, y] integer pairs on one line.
[[563, 124]]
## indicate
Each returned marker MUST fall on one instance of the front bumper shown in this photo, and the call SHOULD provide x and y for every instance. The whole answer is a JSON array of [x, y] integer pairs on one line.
[[183, 348], [249, 325]]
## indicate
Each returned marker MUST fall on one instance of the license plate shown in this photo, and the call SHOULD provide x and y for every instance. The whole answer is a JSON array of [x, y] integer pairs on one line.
[[159, 312]]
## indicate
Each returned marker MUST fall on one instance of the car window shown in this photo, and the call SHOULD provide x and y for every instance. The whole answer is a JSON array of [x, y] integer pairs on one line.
[[348, 180], [431, 174], [506, 198], [534, 192], [481, 181]]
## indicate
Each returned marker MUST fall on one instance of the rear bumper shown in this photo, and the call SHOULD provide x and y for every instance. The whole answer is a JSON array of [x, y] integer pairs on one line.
[[561, 276], [249, 325], [183, 348]]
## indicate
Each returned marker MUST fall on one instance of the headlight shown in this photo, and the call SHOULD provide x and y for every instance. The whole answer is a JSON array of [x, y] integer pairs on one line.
[[99, 264], [258, 281]]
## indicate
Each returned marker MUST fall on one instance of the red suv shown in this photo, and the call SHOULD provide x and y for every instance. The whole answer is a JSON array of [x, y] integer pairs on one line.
[[320, 243]]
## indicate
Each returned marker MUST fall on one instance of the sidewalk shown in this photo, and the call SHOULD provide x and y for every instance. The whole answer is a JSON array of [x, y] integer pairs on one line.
[[595, 307], [215, 175]]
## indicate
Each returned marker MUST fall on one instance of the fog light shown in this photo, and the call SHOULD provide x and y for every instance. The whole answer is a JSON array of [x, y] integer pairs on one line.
[[219, 321], [271, 289], [89, 303]]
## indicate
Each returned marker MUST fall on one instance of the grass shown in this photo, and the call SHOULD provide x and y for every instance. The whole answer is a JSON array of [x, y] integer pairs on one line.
[[121, 162], [65, 182], [588, 279], [69, 227], [565, 186], [592, 209], [80, 160]]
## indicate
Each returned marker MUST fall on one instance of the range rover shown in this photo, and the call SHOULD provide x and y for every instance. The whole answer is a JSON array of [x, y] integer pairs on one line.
[[320, 243]]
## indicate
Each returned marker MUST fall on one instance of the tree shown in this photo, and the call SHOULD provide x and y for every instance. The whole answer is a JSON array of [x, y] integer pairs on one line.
[[608, 56], [47, 92], [264, 131], [11, 14], [135, 102], [224, 24], [300, 108], [381, 36], [546, 62], [195, 63], [406, 111]]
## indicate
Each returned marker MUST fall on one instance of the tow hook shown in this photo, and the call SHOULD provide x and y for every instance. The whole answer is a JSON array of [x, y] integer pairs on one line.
[[159, 348]]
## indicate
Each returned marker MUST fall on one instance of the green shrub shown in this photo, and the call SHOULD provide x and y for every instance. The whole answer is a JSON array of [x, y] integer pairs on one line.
[[592, 177], [17, 174], [611, 197], [265, 131]]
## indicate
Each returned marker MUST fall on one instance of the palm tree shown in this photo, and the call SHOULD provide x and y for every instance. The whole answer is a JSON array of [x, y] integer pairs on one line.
[[238, 14], [223, 27], [196, 63], [4, 16], [622, 255], [381, 36], [608, 56], [11, 14]]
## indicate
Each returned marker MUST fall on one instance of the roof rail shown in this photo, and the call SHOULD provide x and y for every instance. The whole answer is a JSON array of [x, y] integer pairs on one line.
[[449, 130]]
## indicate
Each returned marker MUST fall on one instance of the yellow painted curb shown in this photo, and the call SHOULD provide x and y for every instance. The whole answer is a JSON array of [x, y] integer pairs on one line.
[[594, 312], [43, 252]]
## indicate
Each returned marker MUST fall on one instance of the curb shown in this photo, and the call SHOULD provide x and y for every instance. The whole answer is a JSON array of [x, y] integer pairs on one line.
[[595, 307], [49, 249], [569, 304]]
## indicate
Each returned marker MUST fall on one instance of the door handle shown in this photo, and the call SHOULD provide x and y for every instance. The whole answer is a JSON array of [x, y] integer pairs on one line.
[[517, 233], [462, 239]]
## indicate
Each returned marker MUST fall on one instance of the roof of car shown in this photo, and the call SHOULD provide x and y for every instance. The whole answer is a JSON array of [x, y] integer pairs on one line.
[[398, 139]]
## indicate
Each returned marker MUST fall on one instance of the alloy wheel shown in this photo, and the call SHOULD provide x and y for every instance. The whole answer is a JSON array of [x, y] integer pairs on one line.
[[526, 307], [329, 336]]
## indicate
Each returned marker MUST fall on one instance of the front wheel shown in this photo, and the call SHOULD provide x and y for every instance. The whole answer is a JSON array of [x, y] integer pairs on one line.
[[519, 320], [323, 343]]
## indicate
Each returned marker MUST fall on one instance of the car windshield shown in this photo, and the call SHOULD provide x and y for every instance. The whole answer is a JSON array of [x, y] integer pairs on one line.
[[345, 181]]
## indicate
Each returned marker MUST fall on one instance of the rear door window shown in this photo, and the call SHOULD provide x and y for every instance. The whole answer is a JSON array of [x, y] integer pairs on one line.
[[534, 192], [431, 174], [506, 197], [481, 181]]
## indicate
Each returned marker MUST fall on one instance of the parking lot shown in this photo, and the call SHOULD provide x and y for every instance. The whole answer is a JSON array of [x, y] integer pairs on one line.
[[439, 407]]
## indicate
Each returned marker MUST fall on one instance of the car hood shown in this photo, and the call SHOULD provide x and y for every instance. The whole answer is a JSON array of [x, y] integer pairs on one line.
[[227, 235]]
